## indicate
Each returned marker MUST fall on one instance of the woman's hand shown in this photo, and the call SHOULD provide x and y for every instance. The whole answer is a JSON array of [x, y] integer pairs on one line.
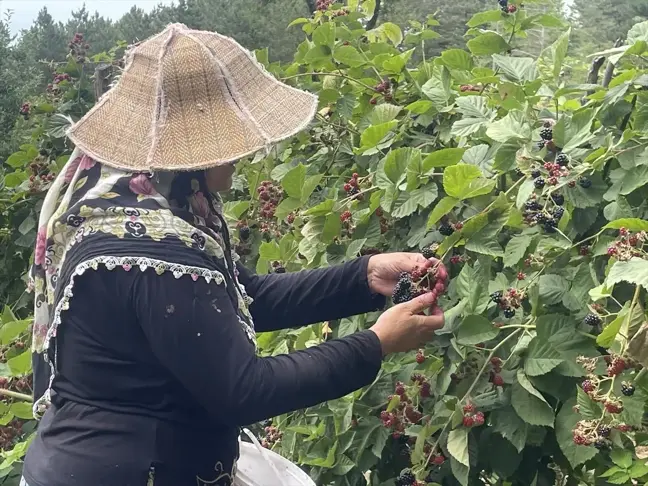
[[403, 328], [384, 270]]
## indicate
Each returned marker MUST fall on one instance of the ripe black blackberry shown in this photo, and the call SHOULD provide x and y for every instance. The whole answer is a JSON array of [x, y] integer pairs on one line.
[[509, 312], [604, 431], [540, 145], [550, 226], [244, 232], [403, 289], [584, 182], [558, 213], [562, 159], [547, 124], [280, 269], [535, 173], [546, 133], [627, 389], [428, 252], [445, 229], [559, 199], [518, 172], [497, 296], [600, 444], [532, 205], [405, 478], [539, 182], [592, 320]]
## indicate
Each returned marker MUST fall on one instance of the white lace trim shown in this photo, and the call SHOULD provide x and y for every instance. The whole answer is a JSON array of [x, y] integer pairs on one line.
[[127, 264]]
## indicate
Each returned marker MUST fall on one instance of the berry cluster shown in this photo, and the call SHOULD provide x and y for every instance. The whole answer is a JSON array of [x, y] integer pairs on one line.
[[352, 187], [385, 89], [471, 417], [323, 5], [495, 377], [270, 196], [536, 212], [446, 228], [78, 48], [506, 8], [273, 435], [419, 282], [407, 478], [278, 267], [25, 109], [509, 302], [628, 245], [403, 414], [40, 175], [9, 433]]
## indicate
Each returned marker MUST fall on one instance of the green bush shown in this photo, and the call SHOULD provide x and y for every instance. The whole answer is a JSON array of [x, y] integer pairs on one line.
[[536, 378]]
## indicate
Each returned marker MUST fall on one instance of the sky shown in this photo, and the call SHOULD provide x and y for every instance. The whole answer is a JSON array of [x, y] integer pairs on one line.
[[25, 11]]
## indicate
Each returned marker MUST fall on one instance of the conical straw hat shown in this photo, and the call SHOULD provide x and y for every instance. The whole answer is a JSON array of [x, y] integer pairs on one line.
[[190, 100]]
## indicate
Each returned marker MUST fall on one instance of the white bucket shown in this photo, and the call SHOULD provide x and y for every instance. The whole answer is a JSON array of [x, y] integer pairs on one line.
[[258, 466]]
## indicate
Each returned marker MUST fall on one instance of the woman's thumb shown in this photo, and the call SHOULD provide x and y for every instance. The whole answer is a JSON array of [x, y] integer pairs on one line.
[[422, 302]]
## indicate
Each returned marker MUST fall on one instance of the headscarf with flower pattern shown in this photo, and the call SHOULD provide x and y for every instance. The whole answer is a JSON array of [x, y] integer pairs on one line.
[[95, 215]]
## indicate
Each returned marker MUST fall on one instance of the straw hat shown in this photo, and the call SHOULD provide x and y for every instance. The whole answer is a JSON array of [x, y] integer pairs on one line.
[[188, 100]]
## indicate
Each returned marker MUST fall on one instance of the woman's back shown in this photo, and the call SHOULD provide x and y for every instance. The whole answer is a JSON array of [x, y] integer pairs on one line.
[[116, 412]]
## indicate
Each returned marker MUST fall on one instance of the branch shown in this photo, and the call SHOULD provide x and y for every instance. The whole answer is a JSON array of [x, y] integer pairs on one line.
[[374, 19], [609, 69], [16, 395]]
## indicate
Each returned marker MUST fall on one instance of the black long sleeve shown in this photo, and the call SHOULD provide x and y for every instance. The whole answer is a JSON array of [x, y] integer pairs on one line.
[[310, 296], [193, 329]]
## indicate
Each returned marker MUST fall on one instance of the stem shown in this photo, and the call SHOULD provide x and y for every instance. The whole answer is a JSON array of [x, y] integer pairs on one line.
[[16, 395], [470, 390], [519, 326], [330, 74]]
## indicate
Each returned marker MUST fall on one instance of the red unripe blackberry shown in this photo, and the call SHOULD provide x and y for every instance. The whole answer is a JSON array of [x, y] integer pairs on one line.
[[588, 386], [438, 460], [521, 276], [400, 388], [495, 361], [479, 419], [468, 421], [498, 380], [469, 408]]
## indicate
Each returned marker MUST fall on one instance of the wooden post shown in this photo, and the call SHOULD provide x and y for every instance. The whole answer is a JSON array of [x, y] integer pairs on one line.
[[102, 78]]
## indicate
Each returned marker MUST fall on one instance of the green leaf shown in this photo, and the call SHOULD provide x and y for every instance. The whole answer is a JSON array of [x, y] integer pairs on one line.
[[324, 35], [269, 250], [22, 410], [458, 445], [507, 423], [558, 52], [392, 170], [57, 125], [609, 333], [516, 249], [517, 69], [419, 107], [332, 226], [21, 364], [621, 457], [321, 209], [475, 329], [348, 55], [634, 271], [393, 32], [565, 422], [488, 43], [631, 224], [396, 64], [443, 207], [294, 180], [587, 407], [457, 59], [529, 403], [384, 113], [514, 126], [10, 330], [553, 288], [542, 358], [638, 470], [443, 158], [421, 197], [464, 181], [487, 17], [375, 134], [18, 159]]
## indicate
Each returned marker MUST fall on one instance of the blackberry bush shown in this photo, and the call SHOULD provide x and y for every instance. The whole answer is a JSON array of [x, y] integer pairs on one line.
[[542, 355]]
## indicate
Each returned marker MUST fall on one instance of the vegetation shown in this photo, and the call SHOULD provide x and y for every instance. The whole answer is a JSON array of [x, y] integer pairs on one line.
[[501, 156]]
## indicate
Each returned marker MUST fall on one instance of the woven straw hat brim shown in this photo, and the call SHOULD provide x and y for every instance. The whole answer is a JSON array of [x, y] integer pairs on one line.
[[190, 100]]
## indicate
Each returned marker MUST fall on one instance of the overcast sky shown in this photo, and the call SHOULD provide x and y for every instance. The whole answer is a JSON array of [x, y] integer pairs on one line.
[[25, 11]]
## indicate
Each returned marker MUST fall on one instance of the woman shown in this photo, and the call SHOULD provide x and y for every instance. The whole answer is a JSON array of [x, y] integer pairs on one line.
[[144, 333]]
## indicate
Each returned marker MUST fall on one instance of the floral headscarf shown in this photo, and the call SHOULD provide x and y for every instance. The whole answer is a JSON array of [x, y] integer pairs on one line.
[[96, 215]]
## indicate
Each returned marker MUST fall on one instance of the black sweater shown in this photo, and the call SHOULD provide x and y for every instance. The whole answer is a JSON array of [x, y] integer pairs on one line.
[[156, 374]]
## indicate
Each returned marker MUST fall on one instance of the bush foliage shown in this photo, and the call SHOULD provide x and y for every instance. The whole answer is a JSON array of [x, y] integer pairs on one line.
[[529, 187]]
